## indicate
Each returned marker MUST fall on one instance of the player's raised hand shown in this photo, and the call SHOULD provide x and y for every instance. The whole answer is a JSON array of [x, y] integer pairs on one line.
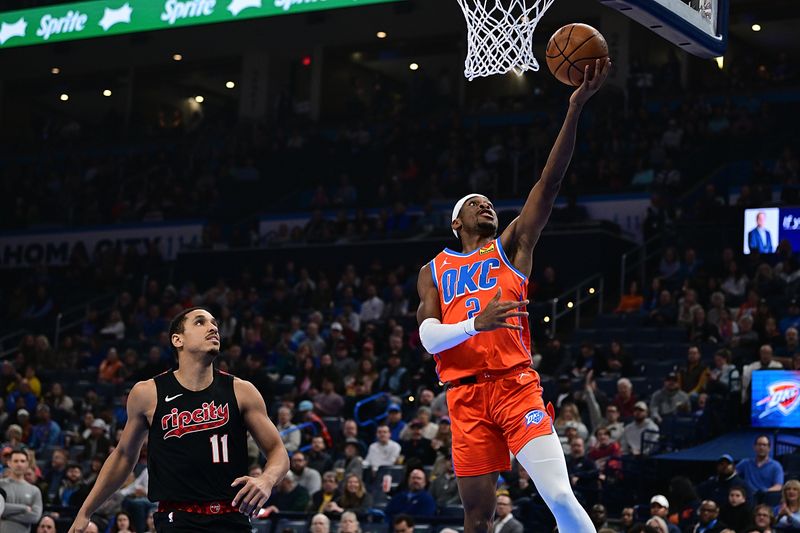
[[496, 313], [253, 495], [593, 78]]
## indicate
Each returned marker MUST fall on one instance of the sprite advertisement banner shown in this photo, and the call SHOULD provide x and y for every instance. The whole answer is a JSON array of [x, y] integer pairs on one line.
[[81, 20]]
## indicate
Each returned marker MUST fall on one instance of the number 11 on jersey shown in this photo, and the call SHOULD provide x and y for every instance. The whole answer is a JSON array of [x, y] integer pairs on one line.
[[216, 440]]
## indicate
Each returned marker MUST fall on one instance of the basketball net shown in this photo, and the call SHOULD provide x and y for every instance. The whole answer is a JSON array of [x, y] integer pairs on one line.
[[500, 37]]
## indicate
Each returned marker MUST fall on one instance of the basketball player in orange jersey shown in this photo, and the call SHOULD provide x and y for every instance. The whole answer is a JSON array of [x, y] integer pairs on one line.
[[472, 318]]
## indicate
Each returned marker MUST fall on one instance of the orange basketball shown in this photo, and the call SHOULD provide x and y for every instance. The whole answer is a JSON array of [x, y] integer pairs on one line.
[[573, 47]]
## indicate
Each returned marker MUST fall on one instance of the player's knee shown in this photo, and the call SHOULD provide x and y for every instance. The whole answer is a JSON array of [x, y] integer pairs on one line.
[[561, 497]]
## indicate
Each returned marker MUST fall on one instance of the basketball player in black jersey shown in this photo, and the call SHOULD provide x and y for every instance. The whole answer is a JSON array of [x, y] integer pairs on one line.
[[197, 419]]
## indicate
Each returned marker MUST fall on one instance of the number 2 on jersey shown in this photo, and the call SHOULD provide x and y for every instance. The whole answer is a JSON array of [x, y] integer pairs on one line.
[[473, 306], [216, 440]]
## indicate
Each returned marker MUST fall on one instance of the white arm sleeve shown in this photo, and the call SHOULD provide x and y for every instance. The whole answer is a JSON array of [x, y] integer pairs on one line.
[[437, 337]]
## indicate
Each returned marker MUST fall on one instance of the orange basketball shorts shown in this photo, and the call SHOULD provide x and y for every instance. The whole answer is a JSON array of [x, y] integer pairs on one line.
[[488, 419]]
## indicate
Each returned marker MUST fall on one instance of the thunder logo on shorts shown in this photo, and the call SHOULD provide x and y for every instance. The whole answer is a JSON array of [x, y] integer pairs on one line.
[[466, 283]]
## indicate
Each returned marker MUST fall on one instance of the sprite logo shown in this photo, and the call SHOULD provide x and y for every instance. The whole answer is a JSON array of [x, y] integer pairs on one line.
[[176, 10], [783, 396], [73, 21]]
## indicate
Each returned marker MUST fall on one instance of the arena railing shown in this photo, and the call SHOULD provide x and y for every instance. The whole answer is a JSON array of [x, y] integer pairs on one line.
[[636, 260], [571, 301]]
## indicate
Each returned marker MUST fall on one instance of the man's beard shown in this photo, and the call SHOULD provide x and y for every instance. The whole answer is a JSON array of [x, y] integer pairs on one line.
[[486, 228]]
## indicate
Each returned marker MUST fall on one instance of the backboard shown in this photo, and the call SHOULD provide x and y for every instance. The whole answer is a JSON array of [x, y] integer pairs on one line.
[[698, 26]]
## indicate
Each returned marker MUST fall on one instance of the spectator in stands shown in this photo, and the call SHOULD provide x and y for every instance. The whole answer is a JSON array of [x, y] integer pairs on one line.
[[319, 459], [372, 307], [788, 347], [382, 452], [97, 443], [53, 473], [792, 317], [709, 521], [324, 496], [605, 453], [761, 473], [724, 377], [417, 448], [659, 507], [656, 524], [444, 488], [115, 327], [394, 419], [735, 510], [625, 399], [763, 519], [505, 521], [352, 461], [700, 330], [429, 429], [765, 362], [320, 524], [394, 378], [290, 496], [122, 523], [670, 400], [617, 360], [692, 378], [328, 402], [626, 518], [788, 511], [46, 432], [403, 523], [684, 502], [665, 312], [588, 359], [687, 305], [717, 306], [13, 437], [62, 405], [306, 477], [110, 370], [22, 500], [21, 391], [415, 501], [568, 415], [631, 301], [718, 486], [24, 420], [291, 439], [47, 524], [631, 440], [583, 473], [728, 329], [348, 523], [71, 483], [354, 497]]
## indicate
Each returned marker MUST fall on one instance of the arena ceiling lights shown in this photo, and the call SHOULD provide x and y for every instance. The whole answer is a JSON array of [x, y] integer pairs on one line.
[[83, 20]]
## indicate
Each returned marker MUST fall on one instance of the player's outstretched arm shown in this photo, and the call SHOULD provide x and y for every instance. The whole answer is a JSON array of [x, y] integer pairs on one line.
[[255, 491], [120, 463], [524, 232]]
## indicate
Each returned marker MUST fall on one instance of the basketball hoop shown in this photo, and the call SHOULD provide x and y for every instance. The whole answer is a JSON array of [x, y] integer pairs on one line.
[[500, 35]]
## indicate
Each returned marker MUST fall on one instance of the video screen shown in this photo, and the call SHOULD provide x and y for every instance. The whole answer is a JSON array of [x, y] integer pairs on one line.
[[775, 398]]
